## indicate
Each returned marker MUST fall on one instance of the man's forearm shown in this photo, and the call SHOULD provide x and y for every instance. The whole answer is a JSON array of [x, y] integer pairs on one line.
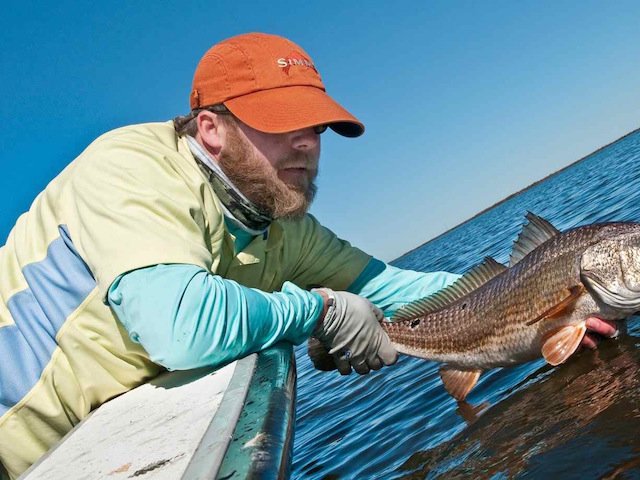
[[186, 317], [390, 287]]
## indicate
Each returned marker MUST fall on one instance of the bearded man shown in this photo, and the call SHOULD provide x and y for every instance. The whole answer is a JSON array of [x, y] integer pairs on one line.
[[186, 244]]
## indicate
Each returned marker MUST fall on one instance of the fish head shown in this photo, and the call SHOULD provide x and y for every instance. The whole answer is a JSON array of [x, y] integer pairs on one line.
[[610, 269]]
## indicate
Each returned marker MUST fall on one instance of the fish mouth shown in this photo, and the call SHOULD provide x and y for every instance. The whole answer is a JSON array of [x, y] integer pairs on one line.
[[624, 298]]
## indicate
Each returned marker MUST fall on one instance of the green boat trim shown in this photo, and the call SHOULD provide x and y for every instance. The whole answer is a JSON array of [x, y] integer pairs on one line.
[[262, 444], [236, 422]]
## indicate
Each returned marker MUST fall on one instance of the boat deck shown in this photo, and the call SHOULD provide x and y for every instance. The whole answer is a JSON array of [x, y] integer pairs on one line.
[[235, 422]]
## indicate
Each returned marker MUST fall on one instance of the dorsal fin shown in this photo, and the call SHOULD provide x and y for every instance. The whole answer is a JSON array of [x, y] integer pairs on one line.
[[533, 234], [470, 281]]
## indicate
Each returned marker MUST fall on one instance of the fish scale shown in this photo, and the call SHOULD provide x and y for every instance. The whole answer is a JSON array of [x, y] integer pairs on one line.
[[498, 316], [493, 312]]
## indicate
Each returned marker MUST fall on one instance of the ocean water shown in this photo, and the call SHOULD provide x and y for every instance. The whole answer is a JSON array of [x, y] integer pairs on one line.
[[578, 420]]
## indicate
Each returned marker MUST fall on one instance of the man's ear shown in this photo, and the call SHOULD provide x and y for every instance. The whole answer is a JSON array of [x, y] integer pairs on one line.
[[210, 131]]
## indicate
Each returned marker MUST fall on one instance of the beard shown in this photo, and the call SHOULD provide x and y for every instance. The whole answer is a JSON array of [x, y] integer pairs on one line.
[[259, 182]]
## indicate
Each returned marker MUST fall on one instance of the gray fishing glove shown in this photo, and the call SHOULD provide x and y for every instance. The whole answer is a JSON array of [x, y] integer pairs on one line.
[[351, 332]]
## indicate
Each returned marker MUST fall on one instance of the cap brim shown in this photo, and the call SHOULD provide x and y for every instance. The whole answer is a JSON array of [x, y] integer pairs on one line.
[[292, 108]]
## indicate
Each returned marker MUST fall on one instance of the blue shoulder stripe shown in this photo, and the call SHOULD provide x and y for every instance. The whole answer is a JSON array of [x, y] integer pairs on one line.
[[57, 286]]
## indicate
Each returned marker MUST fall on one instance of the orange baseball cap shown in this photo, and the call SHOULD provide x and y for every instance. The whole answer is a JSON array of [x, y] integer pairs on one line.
[[269, 83]]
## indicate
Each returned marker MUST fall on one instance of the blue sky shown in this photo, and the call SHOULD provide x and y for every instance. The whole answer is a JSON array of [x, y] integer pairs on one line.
[[464, 102]]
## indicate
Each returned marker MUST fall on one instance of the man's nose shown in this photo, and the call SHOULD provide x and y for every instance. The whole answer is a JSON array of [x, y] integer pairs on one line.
[[305, 139]]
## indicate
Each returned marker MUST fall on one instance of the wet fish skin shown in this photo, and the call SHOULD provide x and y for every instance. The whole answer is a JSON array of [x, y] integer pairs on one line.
[[538, 306]]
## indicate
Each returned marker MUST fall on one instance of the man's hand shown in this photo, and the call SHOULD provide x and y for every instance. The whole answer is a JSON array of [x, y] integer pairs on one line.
[[350, 329], [604, 328]]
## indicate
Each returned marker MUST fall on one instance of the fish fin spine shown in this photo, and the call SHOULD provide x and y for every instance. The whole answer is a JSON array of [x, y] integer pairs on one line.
[[470, 281], [533, 234]]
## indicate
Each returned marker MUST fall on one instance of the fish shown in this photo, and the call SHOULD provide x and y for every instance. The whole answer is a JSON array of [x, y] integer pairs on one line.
[[499, 315]]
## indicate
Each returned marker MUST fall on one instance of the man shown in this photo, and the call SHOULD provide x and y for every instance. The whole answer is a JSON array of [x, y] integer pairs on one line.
[[179, 245]]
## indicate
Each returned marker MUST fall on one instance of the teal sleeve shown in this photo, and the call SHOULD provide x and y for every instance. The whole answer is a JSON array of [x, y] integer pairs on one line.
[[185, 317], [391, 287]]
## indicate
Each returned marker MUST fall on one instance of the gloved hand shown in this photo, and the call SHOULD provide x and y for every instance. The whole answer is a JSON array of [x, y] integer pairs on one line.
[[351, 332]]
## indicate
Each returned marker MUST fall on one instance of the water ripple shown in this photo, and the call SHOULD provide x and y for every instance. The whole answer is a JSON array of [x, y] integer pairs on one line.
[[530, 421]]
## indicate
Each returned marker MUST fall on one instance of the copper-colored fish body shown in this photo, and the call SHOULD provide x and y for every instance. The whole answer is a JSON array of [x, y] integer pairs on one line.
[[537, 307], [499, 316]]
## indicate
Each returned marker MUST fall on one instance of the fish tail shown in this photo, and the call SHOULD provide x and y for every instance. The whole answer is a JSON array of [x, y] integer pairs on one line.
[[320, 356]]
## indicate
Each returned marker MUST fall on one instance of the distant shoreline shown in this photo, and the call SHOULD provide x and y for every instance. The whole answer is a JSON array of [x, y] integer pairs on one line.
[[519, 192]]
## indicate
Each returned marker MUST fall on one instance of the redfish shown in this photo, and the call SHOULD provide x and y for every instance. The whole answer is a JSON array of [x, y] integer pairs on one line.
[[500, 316]]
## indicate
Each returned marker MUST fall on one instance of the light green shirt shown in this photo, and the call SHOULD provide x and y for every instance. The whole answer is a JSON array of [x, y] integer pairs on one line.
[[133, 199]]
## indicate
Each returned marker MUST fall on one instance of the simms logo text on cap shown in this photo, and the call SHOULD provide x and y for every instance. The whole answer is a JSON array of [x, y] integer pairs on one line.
[[294, 59]]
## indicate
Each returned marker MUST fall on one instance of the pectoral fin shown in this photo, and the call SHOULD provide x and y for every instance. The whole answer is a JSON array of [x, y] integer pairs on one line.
[[571, 295], [559, 344], [458, 382]]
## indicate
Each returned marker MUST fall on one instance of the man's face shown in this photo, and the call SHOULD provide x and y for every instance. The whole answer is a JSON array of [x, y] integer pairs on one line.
[[275, 171]]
